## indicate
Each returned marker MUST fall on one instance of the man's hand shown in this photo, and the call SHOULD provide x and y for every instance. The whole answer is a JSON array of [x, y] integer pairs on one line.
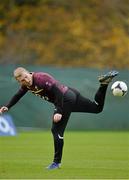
[[3, 109], [57, 117]]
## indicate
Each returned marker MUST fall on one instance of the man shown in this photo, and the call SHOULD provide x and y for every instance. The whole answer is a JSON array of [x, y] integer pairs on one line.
[[65, 99]]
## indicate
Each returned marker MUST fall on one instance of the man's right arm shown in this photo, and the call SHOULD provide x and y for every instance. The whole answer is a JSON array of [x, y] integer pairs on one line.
[[21, 92]]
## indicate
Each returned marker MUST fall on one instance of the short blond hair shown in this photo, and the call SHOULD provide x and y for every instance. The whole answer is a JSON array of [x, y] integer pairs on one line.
[[19, 71]]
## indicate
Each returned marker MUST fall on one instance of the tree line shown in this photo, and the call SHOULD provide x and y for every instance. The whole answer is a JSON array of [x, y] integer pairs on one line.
[[88, 33]]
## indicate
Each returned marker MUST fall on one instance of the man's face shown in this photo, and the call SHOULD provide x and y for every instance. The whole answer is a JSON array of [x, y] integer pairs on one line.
[[24, 79]]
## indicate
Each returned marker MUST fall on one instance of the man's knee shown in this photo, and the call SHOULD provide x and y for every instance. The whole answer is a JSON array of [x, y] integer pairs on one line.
[[57, 135], [99, 109]]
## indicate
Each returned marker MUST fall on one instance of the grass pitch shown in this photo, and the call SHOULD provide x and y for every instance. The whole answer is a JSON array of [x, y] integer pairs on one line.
[[87, 155]]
